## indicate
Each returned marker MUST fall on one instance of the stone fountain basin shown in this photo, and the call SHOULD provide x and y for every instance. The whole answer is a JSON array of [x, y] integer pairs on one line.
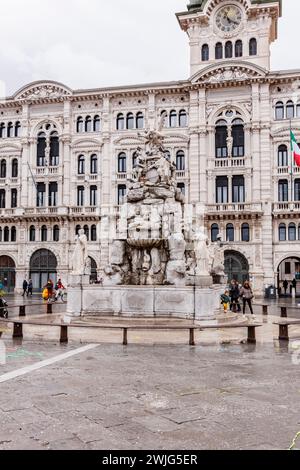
[[146, 243]]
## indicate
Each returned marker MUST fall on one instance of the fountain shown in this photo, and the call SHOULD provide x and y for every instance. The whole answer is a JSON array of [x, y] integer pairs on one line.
[[159, 265]]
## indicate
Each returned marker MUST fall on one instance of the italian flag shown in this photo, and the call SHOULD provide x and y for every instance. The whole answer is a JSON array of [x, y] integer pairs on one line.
[[295, 149]]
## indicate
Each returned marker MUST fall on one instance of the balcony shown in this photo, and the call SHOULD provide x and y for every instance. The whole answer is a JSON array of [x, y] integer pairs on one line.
[[47, 171], [234, 208], [285, 207], [286, 170], [229, 162], [92, 210]]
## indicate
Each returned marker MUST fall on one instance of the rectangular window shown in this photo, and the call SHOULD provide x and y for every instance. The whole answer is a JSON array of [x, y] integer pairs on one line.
[[238, 189], [80, 196], [222, 190], [287, 268], [221, 142], [283, 191], [53, 190], [93, 196], [121, 194], [14, 198], [2, 198], [41, 194], [297, 190]]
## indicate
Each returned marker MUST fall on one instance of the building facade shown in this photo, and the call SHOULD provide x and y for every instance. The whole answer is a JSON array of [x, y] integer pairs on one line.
[[65, 155]]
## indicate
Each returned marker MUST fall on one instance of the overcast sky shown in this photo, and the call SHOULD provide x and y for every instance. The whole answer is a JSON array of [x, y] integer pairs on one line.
[[95, 43]]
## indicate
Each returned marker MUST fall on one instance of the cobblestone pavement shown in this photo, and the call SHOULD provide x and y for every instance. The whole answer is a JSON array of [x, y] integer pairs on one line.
[[221, 394]]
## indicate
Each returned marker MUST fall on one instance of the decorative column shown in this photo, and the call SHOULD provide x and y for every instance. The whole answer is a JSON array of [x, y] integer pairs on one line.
[[194, 148]]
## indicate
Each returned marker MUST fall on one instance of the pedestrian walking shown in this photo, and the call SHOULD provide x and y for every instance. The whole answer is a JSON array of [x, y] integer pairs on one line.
[[29, 288], [285, 286], [247, 295], [25, 287], [234, 293]]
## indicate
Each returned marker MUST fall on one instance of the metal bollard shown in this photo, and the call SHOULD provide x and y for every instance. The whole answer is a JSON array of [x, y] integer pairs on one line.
[[22, 311], [192, 337], [265, 310], [125, 337], [49, 309], [283, 312]]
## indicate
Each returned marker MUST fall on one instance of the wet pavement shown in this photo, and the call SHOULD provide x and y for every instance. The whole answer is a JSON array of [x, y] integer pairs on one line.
[[156, 393]]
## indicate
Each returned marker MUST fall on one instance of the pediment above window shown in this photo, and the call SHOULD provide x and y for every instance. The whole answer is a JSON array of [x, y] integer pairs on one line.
[[43, 90], [228, 72]]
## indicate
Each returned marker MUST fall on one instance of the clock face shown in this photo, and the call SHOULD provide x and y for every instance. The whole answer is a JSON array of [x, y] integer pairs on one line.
[[228, 18]]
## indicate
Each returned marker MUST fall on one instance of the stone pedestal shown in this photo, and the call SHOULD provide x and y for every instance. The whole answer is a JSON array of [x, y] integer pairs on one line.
[[203, 281], [146, 301], [76, 286]]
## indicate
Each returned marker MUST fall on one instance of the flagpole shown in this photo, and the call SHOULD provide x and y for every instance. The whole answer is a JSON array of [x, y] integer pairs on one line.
[[292, 164]]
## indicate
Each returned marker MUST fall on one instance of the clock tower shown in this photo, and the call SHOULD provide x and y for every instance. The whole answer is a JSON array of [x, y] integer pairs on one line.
[[222, 31]]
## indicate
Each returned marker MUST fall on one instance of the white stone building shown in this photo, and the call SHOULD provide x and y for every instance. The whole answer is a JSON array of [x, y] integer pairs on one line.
[[65, 154]]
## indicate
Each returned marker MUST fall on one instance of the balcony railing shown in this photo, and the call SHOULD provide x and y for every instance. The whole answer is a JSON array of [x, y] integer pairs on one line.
[[237, 207], [286, 206], [229, 162], [285, 170]]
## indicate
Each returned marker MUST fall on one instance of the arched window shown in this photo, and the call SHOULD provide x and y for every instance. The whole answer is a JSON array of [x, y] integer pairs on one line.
[[1, 234], [292, 233], [214, 232], [164, 118], [87, 231], [14, 168], [81, 165], [282, 155], [17, 129], [32, 233], [140, 120], [182, 118], [97, 124], [239, 48], [13, 234], [94, 164], [134, 159], [219, 51], [253, 47], [41, 148], [6, 235], [245, 233], [122, 163], [93, 233], [205, 53], [80, 126], [290, 110], [88, 124], [238, 135], [2, 130], [78, 227], [56, 233], [93, 196], [44, 233], [3, 169], [130, 121], [297, 190], [173, 119], [228, 50], [120, 122], [10, 128], [52, 195], [230, 233], [298, 110], [54, 149], [221, 139], [180, 161], [279, 110], [283, 191]]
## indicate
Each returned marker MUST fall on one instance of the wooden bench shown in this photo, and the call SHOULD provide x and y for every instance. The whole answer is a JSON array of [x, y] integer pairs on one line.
[[18, 329], [284, 328]]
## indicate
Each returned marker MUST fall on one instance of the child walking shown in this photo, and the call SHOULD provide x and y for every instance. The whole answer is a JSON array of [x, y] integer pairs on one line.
[[225, 301]]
